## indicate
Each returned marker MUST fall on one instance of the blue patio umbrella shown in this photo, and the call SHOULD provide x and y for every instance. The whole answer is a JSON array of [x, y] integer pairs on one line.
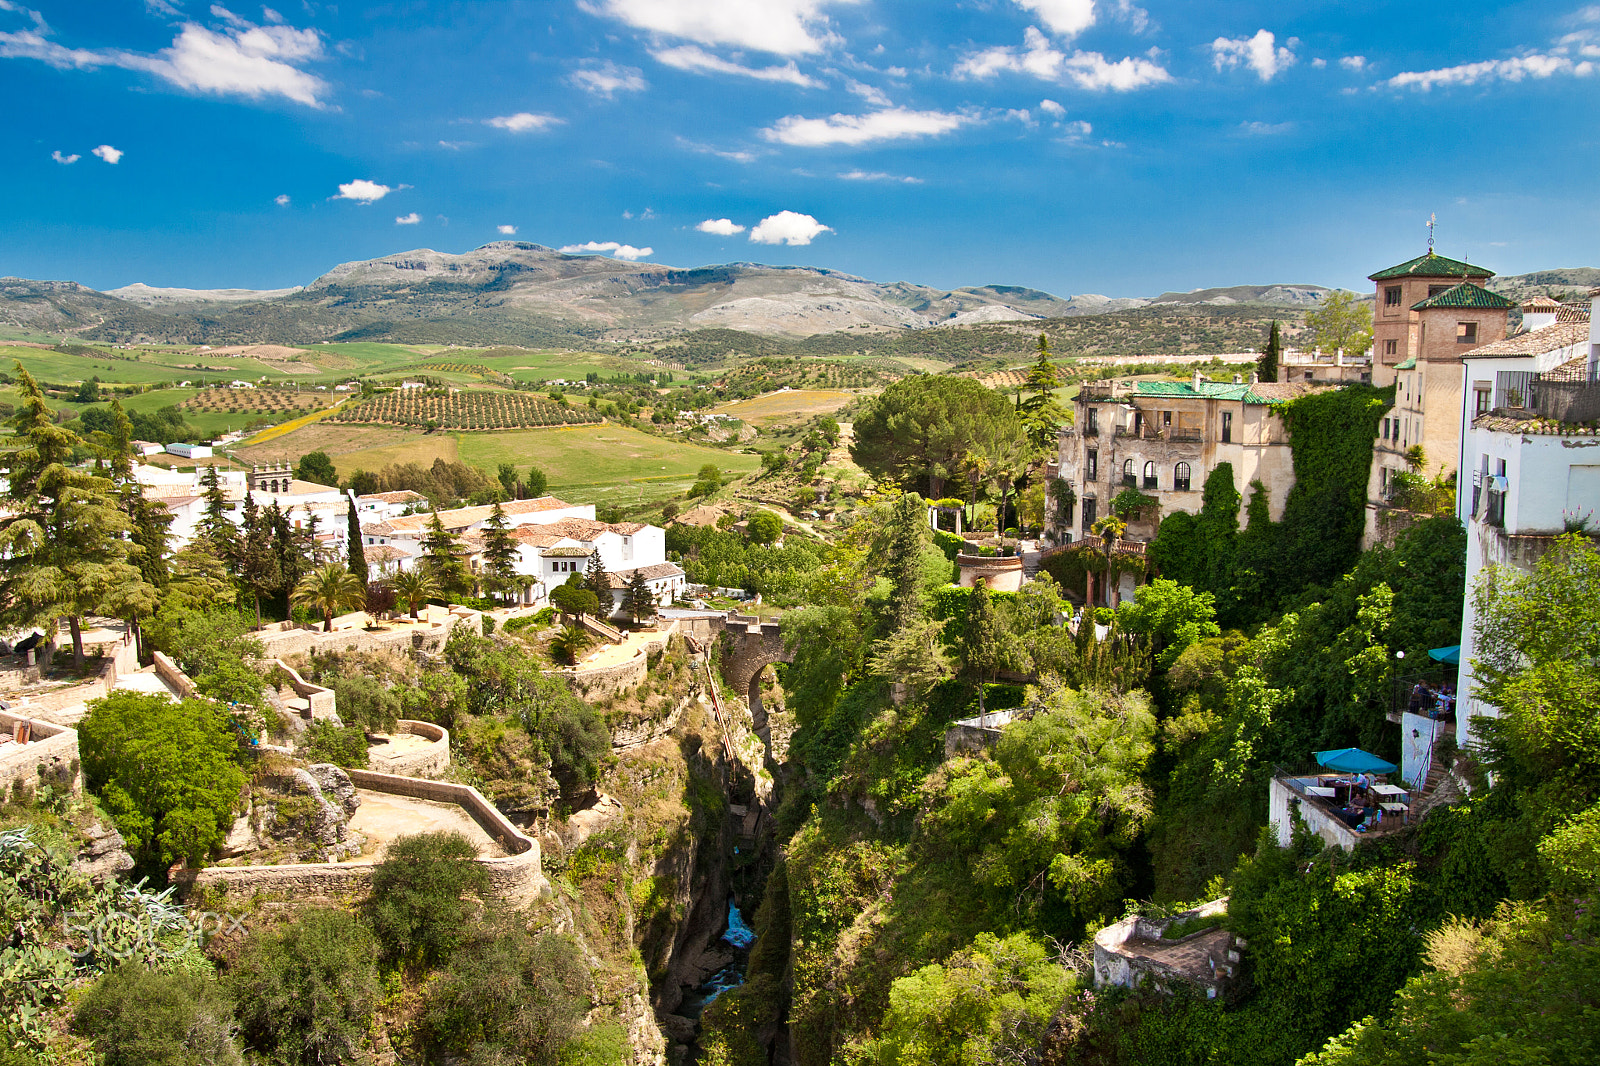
[[1354, 761], [1450, 656]]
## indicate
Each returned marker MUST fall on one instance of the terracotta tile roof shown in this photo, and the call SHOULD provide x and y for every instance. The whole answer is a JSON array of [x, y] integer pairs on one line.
[[384, 553], [1540, 304], [1468, 296], [174, 502], [1537, 342], [618, 579], [402, 496], [576, 528], [627, 529], [571, 552], [462, 517], [1572, 370], [534, 535], [378, 529], [1571, 313], [1432, 266]]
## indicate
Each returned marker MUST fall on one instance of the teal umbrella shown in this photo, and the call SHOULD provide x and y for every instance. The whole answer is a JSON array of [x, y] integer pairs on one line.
[[1354, 761], [1450, 656]]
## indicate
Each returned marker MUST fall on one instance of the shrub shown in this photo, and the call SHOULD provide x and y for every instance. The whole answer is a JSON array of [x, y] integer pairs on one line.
[[416, 908], [307, 994], [141, 1017], [510, 998], [367, 703], [341, 745]]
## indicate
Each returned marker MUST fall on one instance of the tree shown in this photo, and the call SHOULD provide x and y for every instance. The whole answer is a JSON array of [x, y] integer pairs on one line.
[[982, 642], [417, 908], [355, 548], [764, 527], [912, 655], [258, 567], [146, 1017], [574, 599], [63, 546], [569, 642], [1342, 326], [441, 559], [535, 484], [1267, 365], [500, 554], [918, 431], [507, 476], [414, 587], [595, 578], [1174, 616], [215, 527], [88, 392], [164, 771], [330, 589], [637, 599], [316, 467], [1042, 414]]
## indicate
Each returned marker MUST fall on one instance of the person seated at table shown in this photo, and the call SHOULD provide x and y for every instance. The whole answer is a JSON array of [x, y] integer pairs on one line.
[[1374, 817], [1363, 781]]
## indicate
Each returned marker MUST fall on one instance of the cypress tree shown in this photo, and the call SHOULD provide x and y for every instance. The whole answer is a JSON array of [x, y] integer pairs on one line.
[[442, 560], [215, 528], [908, 536], [595, 580], [258, 568], [356, 552], [980, 640], [499, 553], [1267, 365]]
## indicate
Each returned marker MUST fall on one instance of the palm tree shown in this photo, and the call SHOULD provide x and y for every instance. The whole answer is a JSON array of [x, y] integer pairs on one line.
[[330, 589], [569, 643], [414, 587]]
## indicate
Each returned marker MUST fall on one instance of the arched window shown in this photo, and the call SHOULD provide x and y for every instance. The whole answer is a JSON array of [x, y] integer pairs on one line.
[[1150, 481], [1180, 478], [1129, 478]]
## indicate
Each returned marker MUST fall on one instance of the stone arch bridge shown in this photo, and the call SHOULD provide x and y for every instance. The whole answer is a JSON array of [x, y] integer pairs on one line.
[[751, 646]]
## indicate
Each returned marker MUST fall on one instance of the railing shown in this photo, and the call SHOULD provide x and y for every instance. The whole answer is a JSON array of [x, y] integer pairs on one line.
[[1152, 483], [1565, 401], [1495, 513], [1180, 485], [1130, 481]]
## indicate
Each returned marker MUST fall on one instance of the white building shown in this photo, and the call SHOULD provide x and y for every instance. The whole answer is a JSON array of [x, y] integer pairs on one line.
[[382, 506], [183, 494], [1530, 454], [190, 451]]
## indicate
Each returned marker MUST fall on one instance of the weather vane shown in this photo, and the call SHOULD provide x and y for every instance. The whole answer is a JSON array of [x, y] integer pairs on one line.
[[1433, 220]]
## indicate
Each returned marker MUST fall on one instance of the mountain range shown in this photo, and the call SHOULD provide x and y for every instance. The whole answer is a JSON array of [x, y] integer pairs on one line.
[[520, 293]]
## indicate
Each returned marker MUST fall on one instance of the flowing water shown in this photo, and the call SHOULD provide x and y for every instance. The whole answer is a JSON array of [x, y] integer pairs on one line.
[[739, 937]]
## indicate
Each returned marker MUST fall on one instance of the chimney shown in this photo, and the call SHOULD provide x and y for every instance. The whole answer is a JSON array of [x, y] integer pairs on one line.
[[1237, 380], [1594, 334], [1538, 313], [1255, 377], [1195, 382]]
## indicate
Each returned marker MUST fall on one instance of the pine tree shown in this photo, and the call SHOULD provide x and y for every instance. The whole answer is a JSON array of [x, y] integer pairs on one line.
[[1040, 413], [1267, 365], [63, 546], [908, 536], [215, 527], [442, 560], [595, 580], [981, 641], [257, 568], [356, 551], [637, 600], [499, 553], [293, 550]]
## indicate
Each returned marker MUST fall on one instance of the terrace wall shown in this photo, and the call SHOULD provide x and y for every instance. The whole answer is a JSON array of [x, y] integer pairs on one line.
[[52, 754], [433, 759]]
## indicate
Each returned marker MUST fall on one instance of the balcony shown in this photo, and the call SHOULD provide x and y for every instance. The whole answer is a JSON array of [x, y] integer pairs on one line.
[[1152, 483], [1495, 513]]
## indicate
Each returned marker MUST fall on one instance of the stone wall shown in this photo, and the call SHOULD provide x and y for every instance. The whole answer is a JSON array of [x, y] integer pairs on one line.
[[401, 639], [174, 678], [1134, 951], [322, 700], [516, 879], [423, 762], [52, 754]]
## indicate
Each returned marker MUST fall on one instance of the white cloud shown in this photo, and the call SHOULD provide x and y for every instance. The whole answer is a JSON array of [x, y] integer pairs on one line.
[[1265, 129], [892, 124], [738, 156], [282, 199], [65, 160], [878, 175], [240, 59], [1050, 107], [783, 27], [455, 146], [1066, 18], [608, 79], [697, 60], [1354, 62], [617, 251], [363, 191], [109, 154], [788, 227], [873, 95], [1039, 58], [523, 122], [1517, 69], [407, 220], [722, 227], [1260, 53], [506, 231]]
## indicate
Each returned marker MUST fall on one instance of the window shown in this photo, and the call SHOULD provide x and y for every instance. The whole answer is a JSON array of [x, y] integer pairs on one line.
[[1150, 480], [1391, 347], [1466, 333], [1385, 430], [1481, 395], [1434, 290], [1391, 296], [1227, 427], [1311, 375], [1091, 466], [1180, 478], [1092, 428], [1088, 512], [1128, 477]]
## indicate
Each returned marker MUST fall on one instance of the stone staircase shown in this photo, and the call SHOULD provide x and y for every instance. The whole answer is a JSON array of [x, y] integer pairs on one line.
[[1440, 790]]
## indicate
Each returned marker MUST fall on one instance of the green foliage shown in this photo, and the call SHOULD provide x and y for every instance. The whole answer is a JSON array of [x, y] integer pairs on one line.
[[513, 997], [306, 994], [991, 1002], [1342, 326], [724, 559], [341, 745], [316, 467], [366, 703], [764, 527], [1173, 616], [417, 908], [201, 641], [165, 771], [920, 429], [574, 600], [570, 641], [330, 590], [142, 1017], [1271, 354]]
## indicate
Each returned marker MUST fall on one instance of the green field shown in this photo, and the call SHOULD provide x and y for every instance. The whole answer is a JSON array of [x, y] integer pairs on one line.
[[602, 464]]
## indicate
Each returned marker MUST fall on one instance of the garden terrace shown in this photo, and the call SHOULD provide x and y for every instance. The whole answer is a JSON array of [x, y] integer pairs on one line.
[[1320, 801], [484, 410]]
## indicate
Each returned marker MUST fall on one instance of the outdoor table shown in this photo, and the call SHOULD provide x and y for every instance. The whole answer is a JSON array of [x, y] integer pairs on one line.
[[1394, 808], [1318, 790], [1389, 790]]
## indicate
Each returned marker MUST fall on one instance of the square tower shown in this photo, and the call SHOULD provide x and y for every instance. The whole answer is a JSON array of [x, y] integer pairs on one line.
[[1396, 325]]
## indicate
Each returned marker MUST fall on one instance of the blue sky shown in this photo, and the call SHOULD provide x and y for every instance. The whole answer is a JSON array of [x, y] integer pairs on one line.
[[1124, 147]]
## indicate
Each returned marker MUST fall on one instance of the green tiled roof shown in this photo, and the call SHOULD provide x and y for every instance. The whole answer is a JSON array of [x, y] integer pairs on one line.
[[1409, 364], [1210, 390], [1432, 266], [1467, 295]]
